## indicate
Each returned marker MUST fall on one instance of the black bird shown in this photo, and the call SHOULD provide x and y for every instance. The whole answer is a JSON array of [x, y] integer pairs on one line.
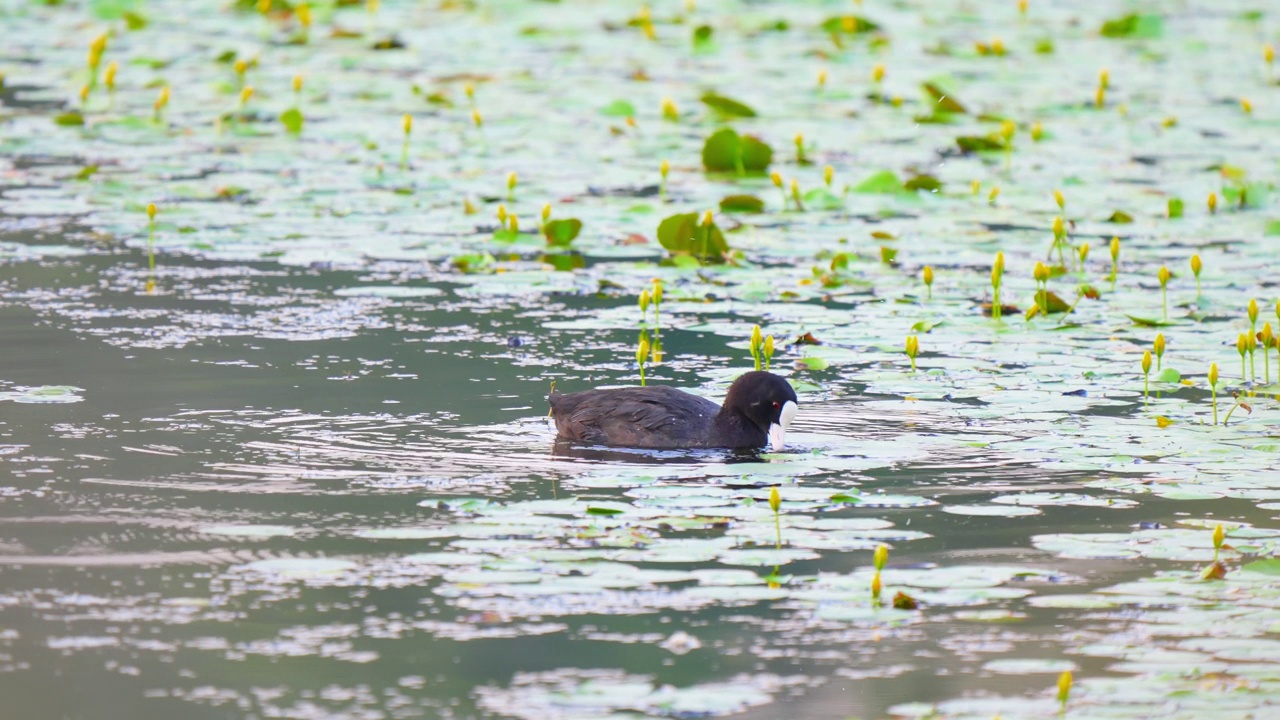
[[758, 409]]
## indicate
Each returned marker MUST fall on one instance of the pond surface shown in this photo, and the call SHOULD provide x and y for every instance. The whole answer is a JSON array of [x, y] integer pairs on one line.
[[285, 453]]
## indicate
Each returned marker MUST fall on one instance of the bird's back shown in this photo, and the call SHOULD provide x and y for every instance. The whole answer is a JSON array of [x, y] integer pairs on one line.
[[643, 417]]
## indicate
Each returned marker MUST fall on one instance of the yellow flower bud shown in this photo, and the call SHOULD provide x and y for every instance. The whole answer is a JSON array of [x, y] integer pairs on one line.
[[1007, 130], [1242, 344], [1268, 335], [664, 168], [880, 557], [822, 78], [1218, 536], [1115, 249], [1213, 203], [1146, 361], [513, 222], [757, 339], [642, 349], [775, 498], [476, 118], [828, 173], [1059, 227], [303, 12], [995, 193], [1037, 131], [1269, 53], [644, 301], [927, 274], [875, 585], [1158, 345], [1163, 275], [512, 179], [1084, 252], [1022, 7], [795, 188], [241, 66], [109, 77], [707, 219], [776, 178], [1253, 310], [84, 93], [245, 93], [657, 291], [877, 72], [669, 110], [264, 6], [1064, 686], [1196, 265], [799, 140], [546, 213], [1058, 198], [162, 100], [297, 83], [470, 91], [151, 211], [502, 213], [1104, 78], [997, 46], [1246, 106], [767, 347], [998, 266], [1213, 374], [975, 186]]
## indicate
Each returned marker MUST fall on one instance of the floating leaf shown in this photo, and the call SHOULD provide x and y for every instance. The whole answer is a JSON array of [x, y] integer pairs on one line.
[[943, 101], [742, 203], [1133, 26], [727, 151], [823, 198], [848, 24], [1148, 322], [1120, 217], [603, 511], [69, 119], [1272, 228], [882, 182], [727, 107], [686, 235], [1168, 375], [1175, 208], [928, 183], [292, 120], [980, 143], [561, 232], [618, 108]]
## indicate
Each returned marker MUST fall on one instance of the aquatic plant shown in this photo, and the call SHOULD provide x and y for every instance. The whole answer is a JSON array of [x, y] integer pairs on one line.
[[927, 275], [1213, 203], [1158, 348], [1037, 131], [1242, 347], [775, 503], [1216, 570], [913, 349], [1115, 260], [292, 118], [1064, 691], [693, 240], [727, 151], [878, 560], [643, 301], [1267, 339], [800, 156], [512, 181], [1146, 375], [997, 276], [1100, 95], [670, 112], [1196, 266], [1163, 276], [162, 101], [642, 354], [656, 296], [664, 169], [151, 235], [1213, 389]]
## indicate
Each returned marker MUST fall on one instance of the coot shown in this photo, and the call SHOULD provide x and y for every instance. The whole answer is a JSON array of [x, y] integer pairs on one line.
[[758, 409]]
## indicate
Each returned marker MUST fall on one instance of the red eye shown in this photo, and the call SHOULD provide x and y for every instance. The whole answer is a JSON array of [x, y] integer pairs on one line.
[[776, 405]]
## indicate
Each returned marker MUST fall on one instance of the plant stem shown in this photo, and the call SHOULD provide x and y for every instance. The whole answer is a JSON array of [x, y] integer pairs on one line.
[[995, 304], [777, 526], [1164, 300], [641, 374], [1214, 391], [151, 242]]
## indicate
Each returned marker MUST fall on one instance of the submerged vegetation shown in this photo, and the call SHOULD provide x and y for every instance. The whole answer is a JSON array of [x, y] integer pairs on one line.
[[464, 194]]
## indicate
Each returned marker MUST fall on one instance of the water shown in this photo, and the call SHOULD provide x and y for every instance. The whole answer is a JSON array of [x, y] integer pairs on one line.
[[302, 468]]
